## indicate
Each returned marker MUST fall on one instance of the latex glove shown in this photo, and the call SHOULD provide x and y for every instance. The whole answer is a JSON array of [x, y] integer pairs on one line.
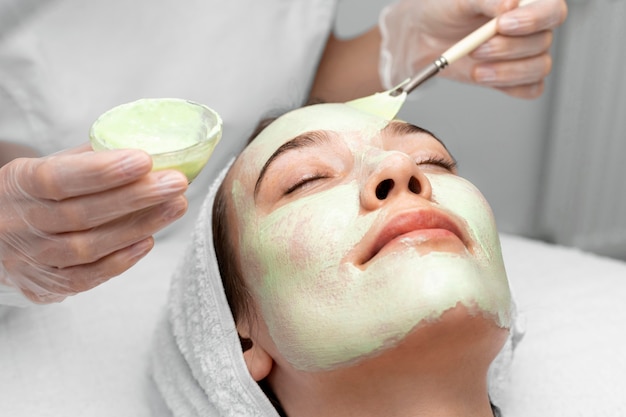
[[71, 221], [515, 61]]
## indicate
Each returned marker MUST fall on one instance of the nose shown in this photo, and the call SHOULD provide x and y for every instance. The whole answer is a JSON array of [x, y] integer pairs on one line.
[[394, 175]]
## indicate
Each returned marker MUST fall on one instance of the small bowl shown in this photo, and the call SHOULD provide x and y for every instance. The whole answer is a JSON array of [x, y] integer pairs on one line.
[[178, 134]]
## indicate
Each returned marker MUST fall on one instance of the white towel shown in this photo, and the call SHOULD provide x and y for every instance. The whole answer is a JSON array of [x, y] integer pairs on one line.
[[197, 362]]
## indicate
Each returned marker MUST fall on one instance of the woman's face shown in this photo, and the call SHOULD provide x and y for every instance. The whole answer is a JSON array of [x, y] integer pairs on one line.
[[353, 230]]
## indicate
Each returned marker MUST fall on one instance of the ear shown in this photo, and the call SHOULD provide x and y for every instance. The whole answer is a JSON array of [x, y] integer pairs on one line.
[[258, 360]]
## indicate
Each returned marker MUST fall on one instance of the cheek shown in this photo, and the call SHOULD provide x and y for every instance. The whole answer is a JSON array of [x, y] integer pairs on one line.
[[304, 238], [462, 198]]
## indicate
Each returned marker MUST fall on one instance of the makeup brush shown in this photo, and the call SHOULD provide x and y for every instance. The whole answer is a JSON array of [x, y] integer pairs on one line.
[[388, 103]]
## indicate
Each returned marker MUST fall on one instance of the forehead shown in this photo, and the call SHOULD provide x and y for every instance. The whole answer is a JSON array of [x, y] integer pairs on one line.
[[335, 117]]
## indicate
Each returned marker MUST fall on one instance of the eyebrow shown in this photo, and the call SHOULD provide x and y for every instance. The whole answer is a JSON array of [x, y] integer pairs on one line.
[[305, 140], [396, 127], [318, 137]]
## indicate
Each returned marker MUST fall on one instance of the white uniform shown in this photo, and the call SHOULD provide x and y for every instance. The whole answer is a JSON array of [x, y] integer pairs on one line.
[[63, 63]]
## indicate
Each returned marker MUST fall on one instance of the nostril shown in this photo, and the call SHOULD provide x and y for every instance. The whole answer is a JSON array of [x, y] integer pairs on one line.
[[384, 188], [414, 186]]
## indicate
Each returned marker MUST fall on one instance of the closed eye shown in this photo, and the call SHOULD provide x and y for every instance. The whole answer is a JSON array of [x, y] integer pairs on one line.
[[447, 164], [304, 182]]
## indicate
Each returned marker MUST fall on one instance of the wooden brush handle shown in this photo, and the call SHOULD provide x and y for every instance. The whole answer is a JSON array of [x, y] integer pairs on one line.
[[475, 39]]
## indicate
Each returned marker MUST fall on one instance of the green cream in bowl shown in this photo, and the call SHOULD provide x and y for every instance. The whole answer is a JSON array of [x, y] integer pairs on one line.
[[178, 134]]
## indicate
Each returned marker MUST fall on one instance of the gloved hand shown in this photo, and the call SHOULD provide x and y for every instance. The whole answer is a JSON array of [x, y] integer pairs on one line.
[[515, 61], [72, 220]]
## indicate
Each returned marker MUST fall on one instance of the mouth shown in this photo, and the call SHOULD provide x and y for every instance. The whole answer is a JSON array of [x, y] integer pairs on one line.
[[429, 229]]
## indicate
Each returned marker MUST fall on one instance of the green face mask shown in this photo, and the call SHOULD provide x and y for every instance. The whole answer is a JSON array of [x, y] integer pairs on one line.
[[324, 311]]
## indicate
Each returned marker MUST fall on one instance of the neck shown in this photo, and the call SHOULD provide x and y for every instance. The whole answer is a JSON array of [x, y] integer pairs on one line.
[[440, 369]]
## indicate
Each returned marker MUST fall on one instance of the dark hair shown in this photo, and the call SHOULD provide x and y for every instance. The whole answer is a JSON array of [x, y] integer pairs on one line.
[[235, 289], [237, 294]]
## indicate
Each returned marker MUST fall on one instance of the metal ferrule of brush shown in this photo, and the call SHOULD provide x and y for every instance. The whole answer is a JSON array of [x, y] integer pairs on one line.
[[441, 62], [425, 74]]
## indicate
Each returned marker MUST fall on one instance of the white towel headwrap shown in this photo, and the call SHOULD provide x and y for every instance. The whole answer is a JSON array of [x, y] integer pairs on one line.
[[198, 364]]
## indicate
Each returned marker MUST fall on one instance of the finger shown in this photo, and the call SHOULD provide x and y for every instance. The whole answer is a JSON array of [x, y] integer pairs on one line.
[[78, 248], [86, 277], [509, 47], [50, 284], [512, 73], [82, 148], [529, 91], [537, 16], [82, 213], [489, 8], [62, 176]]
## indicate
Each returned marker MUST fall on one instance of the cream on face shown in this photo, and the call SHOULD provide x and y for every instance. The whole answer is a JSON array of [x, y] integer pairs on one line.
[[322, 310]]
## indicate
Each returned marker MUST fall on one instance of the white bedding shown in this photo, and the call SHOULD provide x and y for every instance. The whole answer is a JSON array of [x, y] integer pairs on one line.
[[572, 360], [88, 356]]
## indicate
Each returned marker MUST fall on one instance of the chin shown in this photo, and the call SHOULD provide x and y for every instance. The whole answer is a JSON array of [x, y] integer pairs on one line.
[[459, 335]]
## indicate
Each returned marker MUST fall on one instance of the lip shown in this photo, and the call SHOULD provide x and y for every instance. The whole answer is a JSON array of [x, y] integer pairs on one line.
[[425, 225]]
